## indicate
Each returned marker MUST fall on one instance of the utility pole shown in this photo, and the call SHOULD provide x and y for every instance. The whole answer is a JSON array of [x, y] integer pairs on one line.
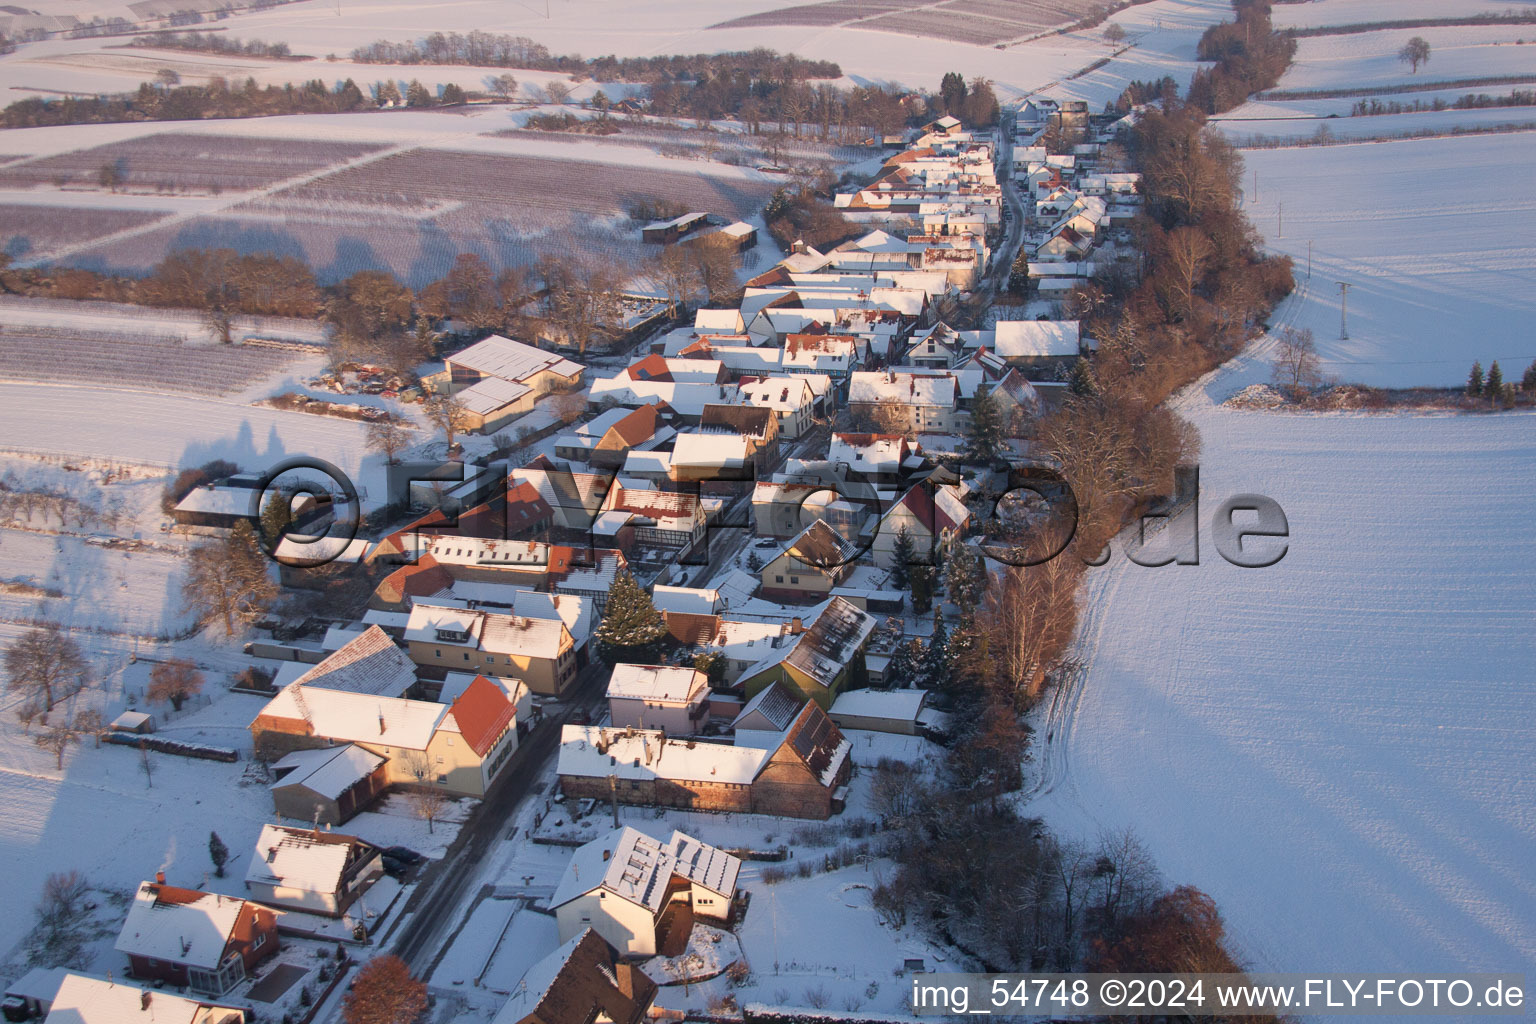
[[1309, 259], [1343, 311], [1280, 221], [1255, 184]]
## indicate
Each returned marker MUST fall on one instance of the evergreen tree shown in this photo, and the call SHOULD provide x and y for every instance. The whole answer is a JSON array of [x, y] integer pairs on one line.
[[1018, 274], [754, 564], [901, 561], [924, 579], [1528, 382], [218, 853], [713, 665], [276, 517], [935, 667], [632, 628], [453, 94], [985, 434], [1475, 381], [1494, 387], [417, 95], [965, 577], [1081, 382], [901, 671]]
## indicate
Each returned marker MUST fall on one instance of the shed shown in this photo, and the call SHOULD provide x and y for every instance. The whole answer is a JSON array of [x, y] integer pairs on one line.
[[894, 711], [329, 785], [133, 721], [33, 993]]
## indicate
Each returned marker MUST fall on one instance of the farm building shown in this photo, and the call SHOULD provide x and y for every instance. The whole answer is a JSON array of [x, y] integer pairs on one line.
[[583, 980], [328, 785], [221, 505], [82, 999], [498, 379], [796, 773], [642, 894], [894, 711], [310, 870], [1039, 344], [204, 941], [670, 698], [665, 232]]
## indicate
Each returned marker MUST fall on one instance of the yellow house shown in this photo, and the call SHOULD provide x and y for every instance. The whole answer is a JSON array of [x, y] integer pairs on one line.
[[540, 652]]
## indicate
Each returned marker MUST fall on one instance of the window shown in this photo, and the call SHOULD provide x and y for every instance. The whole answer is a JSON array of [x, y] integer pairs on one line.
[[259, 941], [778, 579], [794, 579], [466, 655], [437, 652]]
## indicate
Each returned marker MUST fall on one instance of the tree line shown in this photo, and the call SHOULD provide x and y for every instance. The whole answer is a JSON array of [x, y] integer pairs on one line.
[[211, 42], [169, 101], [1249, 56]]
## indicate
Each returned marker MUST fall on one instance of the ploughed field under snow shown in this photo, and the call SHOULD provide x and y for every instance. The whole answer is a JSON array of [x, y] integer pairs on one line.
[[1340, 748], [1440, 275]]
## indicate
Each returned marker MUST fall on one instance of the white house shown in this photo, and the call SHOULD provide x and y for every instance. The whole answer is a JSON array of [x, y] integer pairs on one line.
[[641, 894], [658, 697], [309, 870], [792, 399]]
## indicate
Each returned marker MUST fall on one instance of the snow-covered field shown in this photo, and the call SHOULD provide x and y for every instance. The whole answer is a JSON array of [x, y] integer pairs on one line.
[[1341, 747], [1351, 12], [1249, 128], [1440, 275], [1369, 59]]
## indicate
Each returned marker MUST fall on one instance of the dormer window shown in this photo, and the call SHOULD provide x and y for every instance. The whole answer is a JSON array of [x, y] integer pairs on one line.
[[453, 636]]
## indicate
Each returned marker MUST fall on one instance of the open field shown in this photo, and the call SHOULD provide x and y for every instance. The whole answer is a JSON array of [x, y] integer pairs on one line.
[[1437, 281], [28, 228], [981, 22], [134, 361], [1369, 59], [1351, 12], [173, 160], [1257, 132], [1339, 748], [415, 211]]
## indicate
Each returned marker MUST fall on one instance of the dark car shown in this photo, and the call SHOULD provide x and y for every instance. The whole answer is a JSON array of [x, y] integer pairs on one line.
[[403, 855]]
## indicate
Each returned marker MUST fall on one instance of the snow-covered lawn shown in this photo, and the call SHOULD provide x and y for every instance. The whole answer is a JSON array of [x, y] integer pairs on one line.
[[1340, 748], [1440, 275]]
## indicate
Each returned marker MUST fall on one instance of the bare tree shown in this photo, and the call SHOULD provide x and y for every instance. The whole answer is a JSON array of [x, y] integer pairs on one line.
[[448, 414], [558, 92], [384, 993], [1114, 32], [227, 580], [147, 766], [173, 682], [582, 298], [504, 85], [676, 273], [45, 666], [1414, 53], [427, 801], [90, 723], [60, 906], [389, 435], [56, 736], [1186, 252], [1295, 368]]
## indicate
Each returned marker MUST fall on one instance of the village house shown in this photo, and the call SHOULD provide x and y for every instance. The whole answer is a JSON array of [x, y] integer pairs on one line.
[[930, 514], [641, 894], [802, 776], [874, 458], [827, 658], [733, 442], [792, 400], [893, 711], [310, 870], [670, 698], [81, 999], [809, 566], [583, 980], [906, 400], [447, 562], [661, 522], [203, 941], [686, 399], [447, 636], [603, 441]]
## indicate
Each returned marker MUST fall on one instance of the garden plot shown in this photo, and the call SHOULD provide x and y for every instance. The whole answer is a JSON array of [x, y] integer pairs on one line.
[[1439, 277], [169, 161], [26, 230], [1369, 60], [414, 212], [134, 361]]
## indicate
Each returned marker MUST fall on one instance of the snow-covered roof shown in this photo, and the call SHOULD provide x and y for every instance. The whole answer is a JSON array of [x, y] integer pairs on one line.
[[330, 771], [85, 1000], [727, 320], [487, 396], [591, 751], [222, 500], [636, 867], [181, 926], [498, 356], [359, 717], [900, 705], [131, 721], [719, 449], [905, 387], [778, 704], [1035, 338], [371, 663], [656, 683], [779, 392], [572, 609], [300, 859], [827, 647], [692, 600]]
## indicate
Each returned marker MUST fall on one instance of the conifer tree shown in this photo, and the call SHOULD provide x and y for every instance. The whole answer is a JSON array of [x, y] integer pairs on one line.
[[901, 670], [965, 577], [1081, 382], [901, 561], [985, 434], [632, 628], [1475, 381], [935, 667], [218, 853], [1528, 382], [276, 517], [1494, 387], [924, 579]]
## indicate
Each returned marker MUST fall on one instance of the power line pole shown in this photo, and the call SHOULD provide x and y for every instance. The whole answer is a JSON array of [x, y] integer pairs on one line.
[[1280, 221], [1343, 311], [1309, 259], [1255, 184]]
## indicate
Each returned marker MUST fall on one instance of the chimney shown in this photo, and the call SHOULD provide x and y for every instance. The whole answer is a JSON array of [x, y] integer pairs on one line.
[[796, 626], [605, 855], [159, 877], [144, 998], [382, 725]]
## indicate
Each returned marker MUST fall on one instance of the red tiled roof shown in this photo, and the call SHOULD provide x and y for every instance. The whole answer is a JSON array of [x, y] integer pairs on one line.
[[525, 507], [423, 579], [483, 712], [639, 425], [652, 367]]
